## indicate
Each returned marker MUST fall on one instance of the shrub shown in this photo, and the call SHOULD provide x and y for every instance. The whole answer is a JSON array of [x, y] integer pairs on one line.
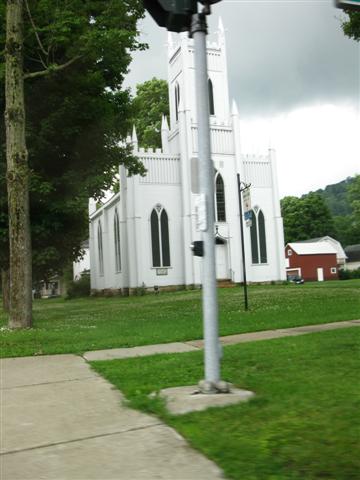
[[349, 274], [79, 288]]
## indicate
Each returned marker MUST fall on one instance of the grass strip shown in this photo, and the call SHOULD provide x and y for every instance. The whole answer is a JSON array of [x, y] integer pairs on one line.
[[87, 324]]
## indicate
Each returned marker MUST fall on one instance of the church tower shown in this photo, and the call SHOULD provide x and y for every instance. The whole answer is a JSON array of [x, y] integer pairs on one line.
[[181, 78]]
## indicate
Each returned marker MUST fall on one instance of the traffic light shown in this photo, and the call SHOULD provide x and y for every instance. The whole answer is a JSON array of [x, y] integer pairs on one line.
[[197, 248], [174, 15]]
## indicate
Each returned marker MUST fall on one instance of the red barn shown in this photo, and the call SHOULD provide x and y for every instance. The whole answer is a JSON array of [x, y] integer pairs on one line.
[[311, 261]]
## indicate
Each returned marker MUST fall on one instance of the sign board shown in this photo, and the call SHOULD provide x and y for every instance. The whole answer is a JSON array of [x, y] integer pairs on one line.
[[161, 271], [348, 4], [201, 213], [248, 218], [246, 200]]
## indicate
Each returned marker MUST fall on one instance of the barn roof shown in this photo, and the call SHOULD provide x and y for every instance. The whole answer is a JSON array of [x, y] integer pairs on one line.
[[353, 253], [314, 248]]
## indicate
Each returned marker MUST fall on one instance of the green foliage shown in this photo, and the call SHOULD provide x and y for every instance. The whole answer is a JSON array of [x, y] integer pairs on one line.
[[150, 103], [306, 217], [336, 197], [303, 423], [351, 27], [75, 118], [78, 288], [349, 274]]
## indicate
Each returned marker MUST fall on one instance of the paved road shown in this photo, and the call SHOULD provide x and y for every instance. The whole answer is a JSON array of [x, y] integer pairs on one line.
[[60, 420]]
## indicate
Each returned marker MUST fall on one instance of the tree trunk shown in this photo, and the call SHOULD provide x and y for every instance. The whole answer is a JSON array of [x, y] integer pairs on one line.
[[17, 171], [5, 286]]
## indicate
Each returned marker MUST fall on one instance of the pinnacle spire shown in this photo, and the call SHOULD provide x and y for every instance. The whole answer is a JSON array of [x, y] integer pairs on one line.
[[234, 109], [134, 136], [164, 123]]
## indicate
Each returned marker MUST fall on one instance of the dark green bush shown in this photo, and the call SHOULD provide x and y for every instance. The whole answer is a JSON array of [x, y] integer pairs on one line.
[[349, 274], [79, 288]]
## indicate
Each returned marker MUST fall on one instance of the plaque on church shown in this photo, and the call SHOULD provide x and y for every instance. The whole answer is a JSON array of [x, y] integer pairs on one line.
[[161, 271]]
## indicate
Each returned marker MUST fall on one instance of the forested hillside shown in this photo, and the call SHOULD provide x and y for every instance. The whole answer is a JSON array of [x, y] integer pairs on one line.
[[333, 211], [336, 197]]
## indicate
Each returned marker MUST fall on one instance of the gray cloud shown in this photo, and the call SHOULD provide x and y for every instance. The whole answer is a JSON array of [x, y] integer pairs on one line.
[[281, 55]]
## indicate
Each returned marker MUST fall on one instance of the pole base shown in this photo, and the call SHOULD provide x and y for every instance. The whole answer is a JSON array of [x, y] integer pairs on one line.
[[210, 388]]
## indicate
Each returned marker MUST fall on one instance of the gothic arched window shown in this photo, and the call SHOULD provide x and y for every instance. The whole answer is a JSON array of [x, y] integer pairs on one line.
[[177, 100], [220, 212], [100, 250], [160, 237], [211, 97], [117, 242], [258, 237]]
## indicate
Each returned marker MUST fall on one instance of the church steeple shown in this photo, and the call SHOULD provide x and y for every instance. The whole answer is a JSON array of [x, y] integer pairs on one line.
[[181, 78]]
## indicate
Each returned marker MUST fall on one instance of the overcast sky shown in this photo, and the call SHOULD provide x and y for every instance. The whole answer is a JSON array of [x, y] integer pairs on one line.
[[296, 79]]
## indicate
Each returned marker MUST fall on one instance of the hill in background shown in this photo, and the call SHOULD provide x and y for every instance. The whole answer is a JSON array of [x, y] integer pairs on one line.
[[336, 197]]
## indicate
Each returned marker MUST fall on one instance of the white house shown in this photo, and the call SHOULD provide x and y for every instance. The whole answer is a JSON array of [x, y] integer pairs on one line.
[[142, 235]]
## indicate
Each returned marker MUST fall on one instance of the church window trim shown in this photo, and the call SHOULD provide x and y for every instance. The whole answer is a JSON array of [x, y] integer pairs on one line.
[[177, 100], [258, 237], [117, 243], [211, 97], [220, 203], [160, 240], [100, 250]]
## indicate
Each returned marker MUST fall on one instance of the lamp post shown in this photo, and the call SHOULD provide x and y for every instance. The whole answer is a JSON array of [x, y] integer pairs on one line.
[[177, 16]]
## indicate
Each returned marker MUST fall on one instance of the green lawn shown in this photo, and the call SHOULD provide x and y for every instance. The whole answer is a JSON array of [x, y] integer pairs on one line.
[[96, 323], [303, 423]]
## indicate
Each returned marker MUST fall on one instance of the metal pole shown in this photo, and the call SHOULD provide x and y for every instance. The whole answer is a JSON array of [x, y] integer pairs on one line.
[[242, 243], [206, 174]]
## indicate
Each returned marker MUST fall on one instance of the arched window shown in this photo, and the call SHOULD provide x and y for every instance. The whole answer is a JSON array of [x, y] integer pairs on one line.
[[100, 250], [160, 237], [258, 237], [220, 212], [211, 97], [177, 100], [117, 242]]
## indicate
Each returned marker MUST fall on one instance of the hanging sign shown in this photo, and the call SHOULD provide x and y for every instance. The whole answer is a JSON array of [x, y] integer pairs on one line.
[[246, 200]]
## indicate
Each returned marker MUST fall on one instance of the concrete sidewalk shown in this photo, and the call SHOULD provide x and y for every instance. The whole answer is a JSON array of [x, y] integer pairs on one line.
[[60, 420], [193, 345]]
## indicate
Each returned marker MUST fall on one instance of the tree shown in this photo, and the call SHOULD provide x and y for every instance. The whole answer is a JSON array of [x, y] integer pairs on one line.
[[306, 217], [150, 103], [354, 198], [351, 27], [17, 171], [76, 115]]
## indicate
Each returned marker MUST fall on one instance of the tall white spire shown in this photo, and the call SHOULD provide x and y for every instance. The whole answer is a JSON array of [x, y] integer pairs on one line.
[[164, 134], [170, 41], [134, 139], [164, 124], [234, 109], [221, 32]]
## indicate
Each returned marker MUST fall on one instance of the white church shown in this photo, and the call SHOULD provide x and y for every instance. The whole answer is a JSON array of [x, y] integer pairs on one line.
[[141, 237]]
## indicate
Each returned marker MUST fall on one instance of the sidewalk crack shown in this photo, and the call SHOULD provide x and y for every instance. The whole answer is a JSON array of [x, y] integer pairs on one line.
[[90, 437]]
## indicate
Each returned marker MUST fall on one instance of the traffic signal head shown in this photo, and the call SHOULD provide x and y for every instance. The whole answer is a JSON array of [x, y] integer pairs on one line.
[[175, 15]]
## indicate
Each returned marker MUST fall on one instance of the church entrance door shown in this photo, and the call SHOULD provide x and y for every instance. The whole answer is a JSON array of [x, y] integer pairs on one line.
[[222, 264]]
